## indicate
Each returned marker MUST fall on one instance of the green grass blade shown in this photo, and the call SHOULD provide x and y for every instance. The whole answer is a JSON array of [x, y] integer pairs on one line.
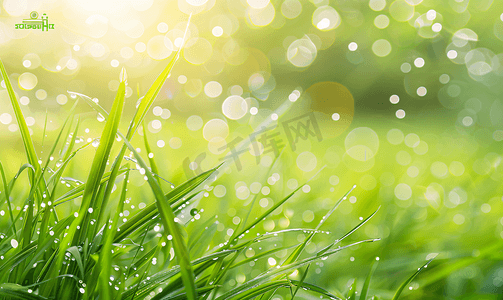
[[105, 261], [352, 291], [366, 284], [348, 233], [137, 221], [274, 272], [153, 165], [95, 175], [7, 197], [168, 220], [23, 128], [409, 280], [297, 252], [17, 291], [301, 281]]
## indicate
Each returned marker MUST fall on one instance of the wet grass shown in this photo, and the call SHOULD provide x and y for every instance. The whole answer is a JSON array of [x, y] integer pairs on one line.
[[92, 253]]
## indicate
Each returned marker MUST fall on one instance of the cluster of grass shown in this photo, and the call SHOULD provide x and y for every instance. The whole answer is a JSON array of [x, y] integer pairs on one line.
[[93, 254]]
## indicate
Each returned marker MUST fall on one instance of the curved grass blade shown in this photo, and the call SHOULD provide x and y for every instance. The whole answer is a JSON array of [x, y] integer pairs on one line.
[[297, 252], [158, 278], [352, 291], [168, 220], [18, 292], [366, 284], [23, 128], [137, 221], [409, 280], [301, 281], [7, 197], [348, 233], [95, 175], [272, 273], [272, 286]]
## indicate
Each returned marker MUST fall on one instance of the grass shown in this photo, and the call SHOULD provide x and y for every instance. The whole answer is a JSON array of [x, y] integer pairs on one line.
[[92, 254]]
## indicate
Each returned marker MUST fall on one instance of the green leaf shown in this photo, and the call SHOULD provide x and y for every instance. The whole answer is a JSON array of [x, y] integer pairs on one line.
[[274, 272], [18, 292], [348, 233], [366, 284], [352, 291], [94, 178], [168, 220], [23, 128], [409, 280]]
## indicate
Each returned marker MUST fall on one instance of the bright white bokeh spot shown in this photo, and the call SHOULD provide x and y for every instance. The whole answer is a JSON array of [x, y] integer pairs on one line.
[[162, 27], [381, 21], [217, 31], [336, 117], [352, 46], [41, 94], [61, 99], [421, 91], [437, 27], [323, 24], [215, 128], [253, 111], [140, 47], [467, 121], [234, 107], [452, 54], [419, 62], [213, 89], [27, 81], [114, 63], [431, 15], [302, 52], [182, 79], [394, 99], [5, 118], [377, 5], [400, 113]]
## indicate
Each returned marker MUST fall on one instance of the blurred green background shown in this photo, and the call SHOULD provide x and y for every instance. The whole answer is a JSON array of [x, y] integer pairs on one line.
[[400, 98]]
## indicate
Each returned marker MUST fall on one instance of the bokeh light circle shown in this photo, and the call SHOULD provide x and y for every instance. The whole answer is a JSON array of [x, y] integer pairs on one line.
[[234, 107], [302, 52], [362, 143], [215, 128], [326, 18]]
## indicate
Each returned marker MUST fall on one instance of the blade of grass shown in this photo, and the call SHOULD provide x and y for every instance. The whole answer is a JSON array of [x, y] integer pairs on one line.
[[168, 220], [272, 273], [301, 281], [409, 280], [105, 261], [23, 128], [366, 284], [7, 197], [95, 175]]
